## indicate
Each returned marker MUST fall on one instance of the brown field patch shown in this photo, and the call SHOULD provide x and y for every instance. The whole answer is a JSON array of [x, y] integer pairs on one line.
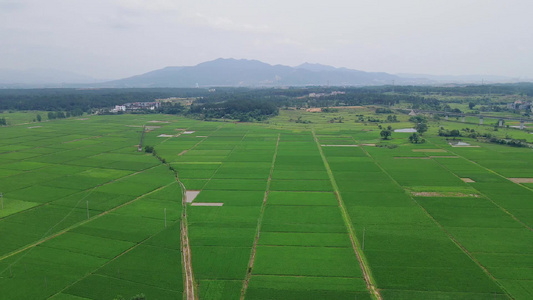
[[357, 106], [429, 150], [521, 180], [442, 194], [150, 128], [467, 180], [314, 109]]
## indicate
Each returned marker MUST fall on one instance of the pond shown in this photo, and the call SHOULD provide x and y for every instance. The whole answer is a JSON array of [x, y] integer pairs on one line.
[[405, 130], [459, 143]]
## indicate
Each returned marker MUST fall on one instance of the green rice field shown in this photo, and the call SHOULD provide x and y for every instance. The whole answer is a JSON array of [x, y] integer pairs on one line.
[[283, 211]]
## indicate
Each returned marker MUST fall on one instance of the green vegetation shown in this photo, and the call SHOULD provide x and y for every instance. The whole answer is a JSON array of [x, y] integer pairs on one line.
[[303, 204], [242, 110]]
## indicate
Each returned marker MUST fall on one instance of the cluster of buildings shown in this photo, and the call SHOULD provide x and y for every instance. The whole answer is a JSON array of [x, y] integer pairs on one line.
[[520, 105], [136, 106], [318, 95]]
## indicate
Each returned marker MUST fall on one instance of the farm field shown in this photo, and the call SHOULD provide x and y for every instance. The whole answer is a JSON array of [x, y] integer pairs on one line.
[[282, 211]]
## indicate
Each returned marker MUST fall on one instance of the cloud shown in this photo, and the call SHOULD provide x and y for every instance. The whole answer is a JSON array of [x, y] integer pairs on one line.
[[9, 6], [225, 23]]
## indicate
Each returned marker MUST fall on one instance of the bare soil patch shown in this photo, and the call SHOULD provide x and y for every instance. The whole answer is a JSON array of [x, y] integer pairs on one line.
[[370, 145], [188, 132], [429, 150], [155, 121], [347, 107], [314, 109], [521, 180], [465, 146], [150, 128], [191, 195], [34, 127], [166, 135], [467, 180], [207, 204], [442, 194]]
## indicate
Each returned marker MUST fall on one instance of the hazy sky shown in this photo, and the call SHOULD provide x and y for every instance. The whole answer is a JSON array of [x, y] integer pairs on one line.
[[118, 38]]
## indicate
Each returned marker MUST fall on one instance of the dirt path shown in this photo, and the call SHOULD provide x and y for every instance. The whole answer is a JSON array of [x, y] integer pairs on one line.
[[81, 222], [450, 236], [482, 194], [363, 264], [259, 222], [187, 262]]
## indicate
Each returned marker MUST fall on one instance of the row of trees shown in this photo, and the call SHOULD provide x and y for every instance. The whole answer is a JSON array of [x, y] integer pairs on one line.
[[61, 114], [243, 110]]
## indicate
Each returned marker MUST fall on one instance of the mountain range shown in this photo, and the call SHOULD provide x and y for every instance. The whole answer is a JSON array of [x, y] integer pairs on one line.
[[233, 72]]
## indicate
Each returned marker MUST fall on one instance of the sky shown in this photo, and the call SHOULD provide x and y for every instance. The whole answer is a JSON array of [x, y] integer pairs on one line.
[[111, 39]]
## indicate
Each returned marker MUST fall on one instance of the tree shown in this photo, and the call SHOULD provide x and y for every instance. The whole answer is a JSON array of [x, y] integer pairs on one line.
[[471, 105], [385, 134], [148, 149], [421, 128], [39, 118], [414, 138], [455, 133], [3, 122]]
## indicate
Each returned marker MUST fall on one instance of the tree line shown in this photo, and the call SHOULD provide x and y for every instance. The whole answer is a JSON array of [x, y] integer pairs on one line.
[[243, 110]]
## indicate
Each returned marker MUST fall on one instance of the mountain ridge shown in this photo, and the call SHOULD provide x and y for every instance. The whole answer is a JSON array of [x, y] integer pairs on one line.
[[243, 72], [237, 73]]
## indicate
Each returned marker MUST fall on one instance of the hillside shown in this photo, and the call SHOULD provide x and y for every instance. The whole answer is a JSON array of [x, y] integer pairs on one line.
[[232, 72]]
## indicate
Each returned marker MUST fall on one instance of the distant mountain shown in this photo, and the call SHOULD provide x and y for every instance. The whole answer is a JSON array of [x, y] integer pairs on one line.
[[41, 78], [316, 67], [233, 72]]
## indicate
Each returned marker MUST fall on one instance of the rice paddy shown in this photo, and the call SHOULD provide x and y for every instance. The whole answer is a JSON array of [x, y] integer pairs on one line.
[[274, 210]]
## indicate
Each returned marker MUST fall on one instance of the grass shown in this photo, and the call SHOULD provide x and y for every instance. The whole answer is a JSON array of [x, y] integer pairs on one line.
[[416, 247]]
